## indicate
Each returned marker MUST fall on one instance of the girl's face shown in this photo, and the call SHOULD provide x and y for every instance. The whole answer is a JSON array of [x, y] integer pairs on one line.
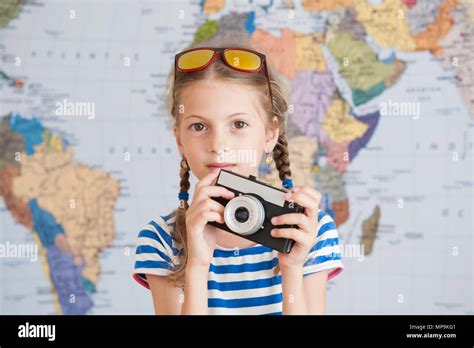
[[222, 125]]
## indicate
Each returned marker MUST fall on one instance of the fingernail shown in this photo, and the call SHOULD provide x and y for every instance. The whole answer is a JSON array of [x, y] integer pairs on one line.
[[273, 232], [274, 220], [296, 189]]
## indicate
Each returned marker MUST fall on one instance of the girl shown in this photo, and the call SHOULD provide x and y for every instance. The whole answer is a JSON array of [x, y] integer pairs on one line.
[[227, 98]]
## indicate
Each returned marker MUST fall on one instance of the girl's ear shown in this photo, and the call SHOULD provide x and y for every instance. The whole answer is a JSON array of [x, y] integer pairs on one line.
[[178, 140], [272, 134]]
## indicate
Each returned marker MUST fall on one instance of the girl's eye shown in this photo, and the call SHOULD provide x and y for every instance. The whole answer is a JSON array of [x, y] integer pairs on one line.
[[240, 124], [197, 127]]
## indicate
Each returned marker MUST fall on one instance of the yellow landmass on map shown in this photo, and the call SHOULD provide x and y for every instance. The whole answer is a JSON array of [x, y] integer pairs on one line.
[[340, 125], [80, 198], [369, 230], [386, 23], [309, 55]]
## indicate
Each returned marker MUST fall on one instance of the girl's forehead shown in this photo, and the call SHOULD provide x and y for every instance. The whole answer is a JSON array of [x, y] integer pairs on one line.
[[214, 87], [219, 99]]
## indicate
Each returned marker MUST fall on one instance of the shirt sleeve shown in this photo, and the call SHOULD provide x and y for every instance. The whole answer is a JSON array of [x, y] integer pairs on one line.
[[326, 252], [155, 251]]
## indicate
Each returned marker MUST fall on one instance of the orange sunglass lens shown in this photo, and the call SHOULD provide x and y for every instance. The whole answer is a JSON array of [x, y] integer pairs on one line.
[[243, 59], [194, 59]]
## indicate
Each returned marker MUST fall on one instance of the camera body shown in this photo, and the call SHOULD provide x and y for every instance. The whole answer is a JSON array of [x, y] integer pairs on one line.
[[249, 213]]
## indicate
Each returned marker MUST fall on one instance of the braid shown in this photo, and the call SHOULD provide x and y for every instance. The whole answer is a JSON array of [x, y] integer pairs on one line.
[[180, 234], [281, 157], [184, 181]]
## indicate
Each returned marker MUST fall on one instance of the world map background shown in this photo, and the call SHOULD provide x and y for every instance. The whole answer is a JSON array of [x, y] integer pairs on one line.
[[82, 187]]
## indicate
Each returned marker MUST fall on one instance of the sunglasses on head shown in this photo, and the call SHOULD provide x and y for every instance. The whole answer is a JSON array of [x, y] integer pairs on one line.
[[240, 59]]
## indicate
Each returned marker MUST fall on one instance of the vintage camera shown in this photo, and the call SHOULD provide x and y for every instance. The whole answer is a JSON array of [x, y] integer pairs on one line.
[[249, 213]]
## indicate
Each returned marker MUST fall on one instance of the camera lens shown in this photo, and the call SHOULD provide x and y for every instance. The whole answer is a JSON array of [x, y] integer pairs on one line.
[[241, 214], [244, 214]]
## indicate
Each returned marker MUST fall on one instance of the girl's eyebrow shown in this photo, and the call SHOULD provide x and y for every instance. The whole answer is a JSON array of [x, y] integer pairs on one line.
[[229, 116]]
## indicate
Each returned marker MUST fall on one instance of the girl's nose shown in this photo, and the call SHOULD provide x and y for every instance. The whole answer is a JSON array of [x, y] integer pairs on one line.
[[217, 142]]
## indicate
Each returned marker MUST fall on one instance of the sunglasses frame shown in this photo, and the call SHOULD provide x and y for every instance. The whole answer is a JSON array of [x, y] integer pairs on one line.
[[221, 51]]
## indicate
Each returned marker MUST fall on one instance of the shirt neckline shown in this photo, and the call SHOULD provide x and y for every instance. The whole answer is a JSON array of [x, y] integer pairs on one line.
[[237, 248]]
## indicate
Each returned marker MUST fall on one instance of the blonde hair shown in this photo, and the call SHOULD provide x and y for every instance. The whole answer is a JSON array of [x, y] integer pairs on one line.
[[218, 70]]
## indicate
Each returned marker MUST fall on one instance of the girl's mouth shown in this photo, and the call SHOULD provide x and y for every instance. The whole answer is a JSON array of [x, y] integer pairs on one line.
[[218, 166]]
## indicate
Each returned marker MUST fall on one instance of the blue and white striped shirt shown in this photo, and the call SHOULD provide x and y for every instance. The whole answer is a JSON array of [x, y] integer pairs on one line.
[[240, 281]]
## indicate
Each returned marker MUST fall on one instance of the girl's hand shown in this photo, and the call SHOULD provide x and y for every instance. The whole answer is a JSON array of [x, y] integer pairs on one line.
[[305, 236], [201, 238]]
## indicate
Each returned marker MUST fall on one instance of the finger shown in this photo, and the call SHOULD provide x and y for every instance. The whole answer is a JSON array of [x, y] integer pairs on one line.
[[301, 220], [208, 216], [213, 191], [307, 202], [200, 218], [292, 233], [316, 195], [207, 205], [212, 205], [207, 180]]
